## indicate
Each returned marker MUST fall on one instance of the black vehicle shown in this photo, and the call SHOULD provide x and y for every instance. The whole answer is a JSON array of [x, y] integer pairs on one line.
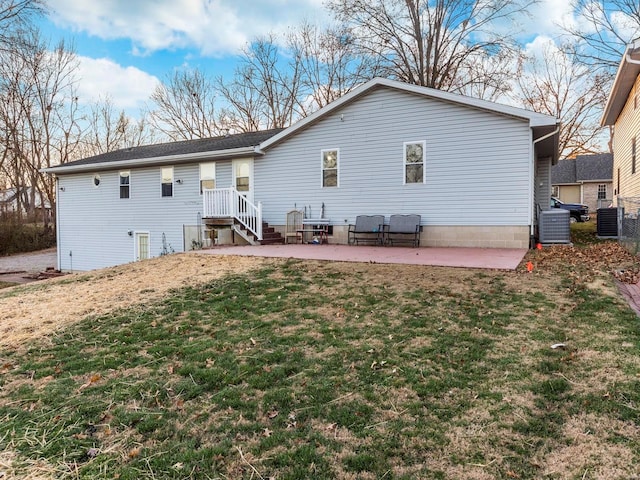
[[577, 211]]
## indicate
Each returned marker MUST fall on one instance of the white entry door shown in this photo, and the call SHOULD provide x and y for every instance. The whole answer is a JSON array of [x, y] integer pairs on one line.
[[142, 246], [243, 177]]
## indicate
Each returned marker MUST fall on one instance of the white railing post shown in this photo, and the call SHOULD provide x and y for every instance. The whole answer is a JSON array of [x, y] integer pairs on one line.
[[259, 221], [229, 202]]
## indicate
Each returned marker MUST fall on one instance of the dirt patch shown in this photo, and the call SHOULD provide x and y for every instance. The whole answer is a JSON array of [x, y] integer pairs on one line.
[[37, 310]]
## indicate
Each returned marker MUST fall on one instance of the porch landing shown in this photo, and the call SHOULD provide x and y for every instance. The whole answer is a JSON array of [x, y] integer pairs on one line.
[[491, 258]]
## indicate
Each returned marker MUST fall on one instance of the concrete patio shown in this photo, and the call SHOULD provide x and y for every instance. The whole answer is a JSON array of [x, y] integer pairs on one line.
[[490, 258]]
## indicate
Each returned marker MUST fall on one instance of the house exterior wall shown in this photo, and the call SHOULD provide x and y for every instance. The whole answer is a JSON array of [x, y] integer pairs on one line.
[[478, 165], [93, 222], [590, 194], [627, 128], [542, 187], [479, 184]]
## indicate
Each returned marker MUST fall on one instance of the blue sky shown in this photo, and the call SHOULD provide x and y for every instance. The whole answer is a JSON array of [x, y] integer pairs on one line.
[[127, 46]]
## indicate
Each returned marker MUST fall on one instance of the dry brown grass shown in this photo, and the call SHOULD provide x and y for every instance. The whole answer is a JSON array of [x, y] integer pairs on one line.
[[39, 309]]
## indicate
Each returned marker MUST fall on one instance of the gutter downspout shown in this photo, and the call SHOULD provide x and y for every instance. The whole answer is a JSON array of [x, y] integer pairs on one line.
[[544, 137], [58, 223]]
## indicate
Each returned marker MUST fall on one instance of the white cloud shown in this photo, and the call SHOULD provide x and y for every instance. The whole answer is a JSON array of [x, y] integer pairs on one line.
[[215, 27], [128, 87]]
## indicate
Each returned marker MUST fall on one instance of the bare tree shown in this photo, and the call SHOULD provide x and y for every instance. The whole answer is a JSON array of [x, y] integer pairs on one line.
[[15, 17], [264, 90], [110, 130], [603, 30], [434, 43], [330, 66], [556, 84], [185, 107], [38, 113]]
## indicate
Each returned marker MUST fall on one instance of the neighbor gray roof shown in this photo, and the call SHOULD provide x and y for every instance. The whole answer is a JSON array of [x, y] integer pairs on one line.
[[584, 168], [171, 150]]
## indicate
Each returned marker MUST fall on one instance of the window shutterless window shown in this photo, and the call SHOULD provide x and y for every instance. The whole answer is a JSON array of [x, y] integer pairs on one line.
[[633, 155], [414, 158], [125, 183], [330, 162], [602, 191], [167, 181], [207, 176]]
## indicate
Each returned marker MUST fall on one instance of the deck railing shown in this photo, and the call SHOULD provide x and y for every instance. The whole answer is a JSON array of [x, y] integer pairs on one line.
[[230, 203]]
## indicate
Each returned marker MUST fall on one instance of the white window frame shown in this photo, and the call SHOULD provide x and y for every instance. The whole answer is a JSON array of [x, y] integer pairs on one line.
[[423, 143], [322, 169], [173, 181], [214, 174], [604, 187], [128, 172]]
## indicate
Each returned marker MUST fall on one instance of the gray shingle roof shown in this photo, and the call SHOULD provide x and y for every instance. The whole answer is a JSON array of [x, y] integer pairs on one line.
[[584, 168], [185, 147], [563, 172], [594, 167]]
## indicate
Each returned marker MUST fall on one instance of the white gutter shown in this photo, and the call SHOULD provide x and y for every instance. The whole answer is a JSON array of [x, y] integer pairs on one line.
[[59, 255], [631, 60], [162, 160], [544, 137]]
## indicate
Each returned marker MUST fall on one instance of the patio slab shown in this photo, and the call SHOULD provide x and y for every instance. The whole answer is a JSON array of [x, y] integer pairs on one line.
[[490, 258]]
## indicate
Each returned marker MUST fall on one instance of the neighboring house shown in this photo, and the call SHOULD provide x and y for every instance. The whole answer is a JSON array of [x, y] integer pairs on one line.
[[586, 179], [16, 200], [474, 170], [622, 111]]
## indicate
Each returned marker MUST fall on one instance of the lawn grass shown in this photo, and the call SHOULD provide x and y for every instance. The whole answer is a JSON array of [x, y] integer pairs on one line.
[[321, 370], [7, 285]]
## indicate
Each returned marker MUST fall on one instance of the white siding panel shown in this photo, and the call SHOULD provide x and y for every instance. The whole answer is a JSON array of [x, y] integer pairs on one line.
[[94, 221], [477, 164]]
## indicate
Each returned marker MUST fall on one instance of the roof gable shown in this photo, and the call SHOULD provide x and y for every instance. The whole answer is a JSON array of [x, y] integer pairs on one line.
[[534, 119]]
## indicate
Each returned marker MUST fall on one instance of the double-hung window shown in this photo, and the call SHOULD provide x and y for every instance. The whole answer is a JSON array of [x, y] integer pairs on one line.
[[166, 174], [414, 159], [207, 176], [125, 183], [330, 163], [602, 191]]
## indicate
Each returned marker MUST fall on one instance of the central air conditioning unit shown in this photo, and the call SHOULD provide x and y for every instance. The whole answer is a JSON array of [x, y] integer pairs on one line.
[[607, 224], [553, 226]]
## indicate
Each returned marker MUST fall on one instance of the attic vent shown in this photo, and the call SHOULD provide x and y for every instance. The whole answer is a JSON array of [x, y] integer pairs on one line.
[[553, 226]]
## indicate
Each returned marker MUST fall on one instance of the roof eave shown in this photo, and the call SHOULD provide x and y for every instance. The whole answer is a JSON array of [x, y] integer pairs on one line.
[[151, 161], [623, 82]]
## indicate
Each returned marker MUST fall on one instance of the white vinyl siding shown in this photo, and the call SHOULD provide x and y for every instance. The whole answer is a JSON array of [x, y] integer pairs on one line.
[[626, 129], [94, 222], [478, 163]]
